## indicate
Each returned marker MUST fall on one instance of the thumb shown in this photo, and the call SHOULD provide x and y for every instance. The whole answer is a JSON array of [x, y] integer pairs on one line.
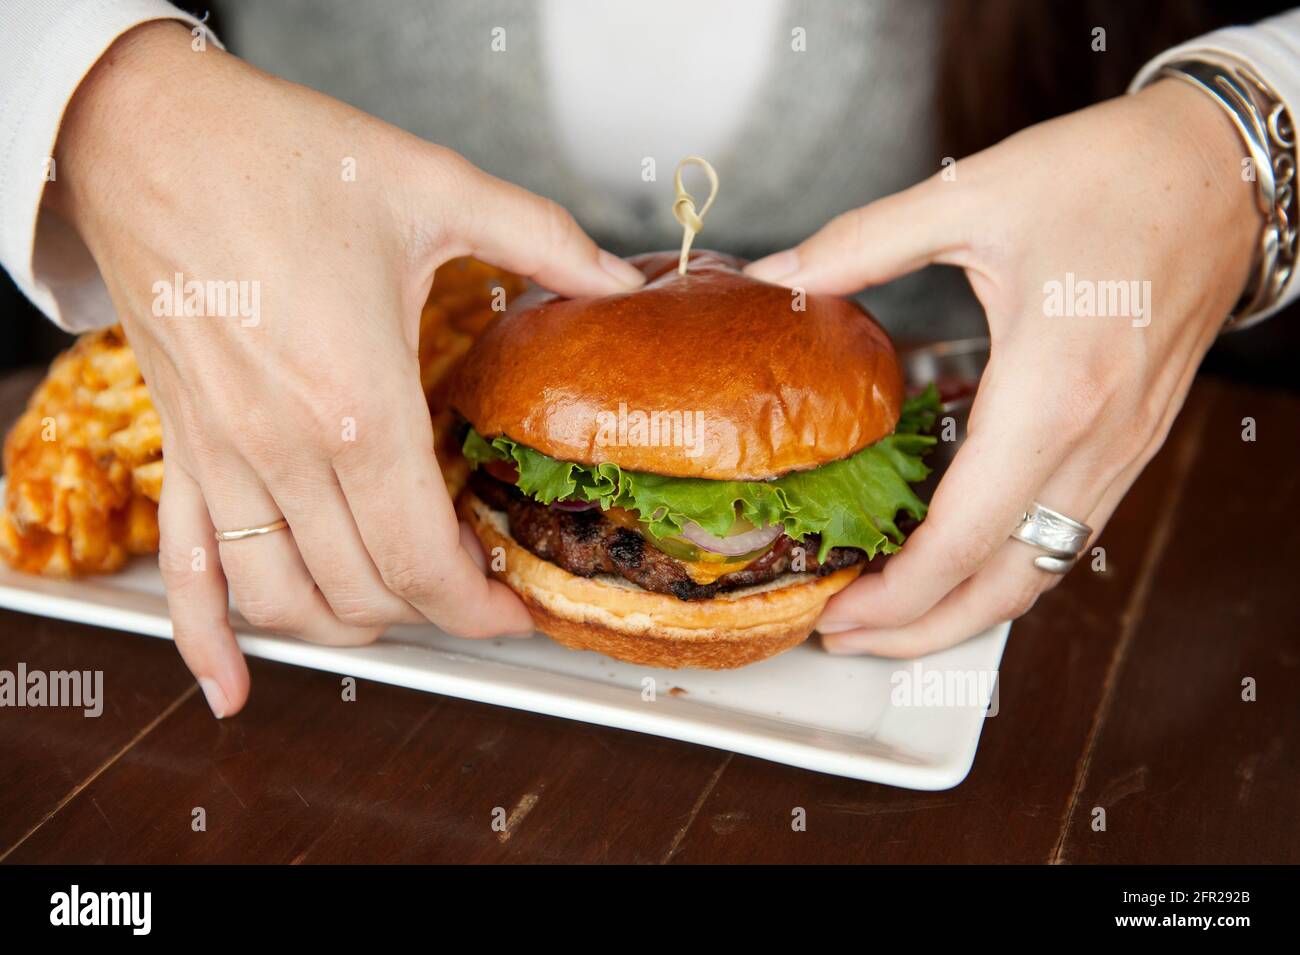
[[514, 229], [866, 246]]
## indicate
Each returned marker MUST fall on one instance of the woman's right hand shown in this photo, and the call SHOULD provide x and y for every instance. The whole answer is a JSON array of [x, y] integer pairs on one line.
[[302, 399]]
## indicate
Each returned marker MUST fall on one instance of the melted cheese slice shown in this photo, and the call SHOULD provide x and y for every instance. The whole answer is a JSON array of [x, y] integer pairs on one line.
[[707, 571], [701, 571]]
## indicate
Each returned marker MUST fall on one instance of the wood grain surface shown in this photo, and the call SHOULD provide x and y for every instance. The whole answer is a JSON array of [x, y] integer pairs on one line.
[[1122, 691]]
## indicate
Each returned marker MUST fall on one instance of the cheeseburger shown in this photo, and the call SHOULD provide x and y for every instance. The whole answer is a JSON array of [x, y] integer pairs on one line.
[[683, 475]]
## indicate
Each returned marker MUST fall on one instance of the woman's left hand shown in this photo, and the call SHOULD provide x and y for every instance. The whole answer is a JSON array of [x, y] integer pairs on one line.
[[1146, 190]]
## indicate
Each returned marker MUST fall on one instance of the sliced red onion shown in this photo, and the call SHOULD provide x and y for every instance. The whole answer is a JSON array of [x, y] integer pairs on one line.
[[735, 545], [574, 505]]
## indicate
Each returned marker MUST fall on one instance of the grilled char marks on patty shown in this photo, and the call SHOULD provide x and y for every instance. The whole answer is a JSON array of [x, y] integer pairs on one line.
[[587, 543]]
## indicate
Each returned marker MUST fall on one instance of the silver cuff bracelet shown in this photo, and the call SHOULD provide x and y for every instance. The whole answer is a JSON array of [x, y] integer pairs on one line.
[[1267, 130]]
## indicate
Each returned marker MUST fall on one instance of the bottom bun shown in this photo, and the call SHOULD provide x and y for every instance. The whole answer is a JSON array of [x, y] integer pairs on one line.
[[621, 620]]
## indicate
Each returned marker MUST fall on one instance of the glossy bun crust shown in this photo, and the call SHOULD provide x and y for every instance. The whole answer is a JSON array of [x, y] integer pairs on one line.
[[744, 386], [627, 623]]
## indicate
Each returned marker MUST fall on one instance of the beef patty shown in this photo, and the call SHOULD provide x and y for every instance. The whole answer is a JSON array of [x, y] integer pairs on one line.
[[587, 543]]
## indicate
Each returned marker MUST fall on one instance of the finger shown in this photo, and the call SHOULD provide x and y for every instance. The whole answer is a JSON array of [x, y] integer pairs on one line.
[[869, 245], [268, 579], [196, 594], [1006, 459], [1007, 584], [417, 550], [1102, 471], [1004, 589], [1087, 487], [335, 555], [514, 229], [474, 547], [1114, 493]]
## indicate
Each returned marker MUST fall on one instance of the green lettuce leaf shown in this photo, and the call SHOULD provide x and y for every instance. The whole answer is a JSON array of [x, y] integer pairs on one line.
[[852, 502]]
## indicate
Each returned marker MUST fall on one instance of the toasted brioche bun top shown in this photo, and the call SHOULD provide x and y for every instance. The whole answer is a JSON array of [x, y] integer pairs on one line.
[[711, 374]]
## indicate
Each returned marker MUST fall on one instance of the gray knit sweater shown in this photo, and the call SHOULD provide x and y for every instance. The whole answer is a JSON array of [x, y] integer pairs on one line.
[[832, 128]]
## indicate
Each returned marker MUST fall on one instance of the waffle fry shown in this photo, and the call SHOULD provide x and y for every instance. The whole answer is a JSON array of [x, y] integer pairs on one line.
[[459, 307], [84, 462], [71, 503]]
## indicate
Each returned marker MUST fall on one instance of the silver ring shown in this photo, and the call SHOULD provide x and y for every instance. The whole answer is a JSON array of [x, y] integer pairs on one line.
[[1062, 537], [258, 531]]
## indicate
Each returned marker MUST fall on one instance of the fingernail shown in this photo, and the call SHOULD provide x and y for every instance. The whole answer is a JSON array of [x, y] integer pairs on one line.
[[828, 628], [473, 546], [217, 701], [624, 272], [775, 267], [846, 645]]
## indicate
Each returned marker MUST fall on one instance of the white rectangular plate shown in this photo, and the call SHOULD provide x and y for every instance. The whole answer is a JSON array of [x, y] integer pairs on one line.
[[840, 715]]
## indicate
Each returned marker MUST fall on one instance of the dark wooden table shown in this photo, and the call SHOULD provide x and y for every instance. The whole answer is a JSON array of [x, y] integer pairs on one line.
[[1121, 690]]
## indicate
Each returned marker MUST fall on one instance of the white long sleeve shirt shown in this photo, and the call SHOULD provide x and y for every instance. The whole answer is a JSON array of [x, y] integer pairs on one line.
[[48, 46]]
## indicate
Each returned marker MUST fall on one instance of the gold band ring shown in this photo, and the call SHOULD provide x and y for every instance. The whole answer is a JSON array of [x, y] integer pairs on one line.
[[258, 531]]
